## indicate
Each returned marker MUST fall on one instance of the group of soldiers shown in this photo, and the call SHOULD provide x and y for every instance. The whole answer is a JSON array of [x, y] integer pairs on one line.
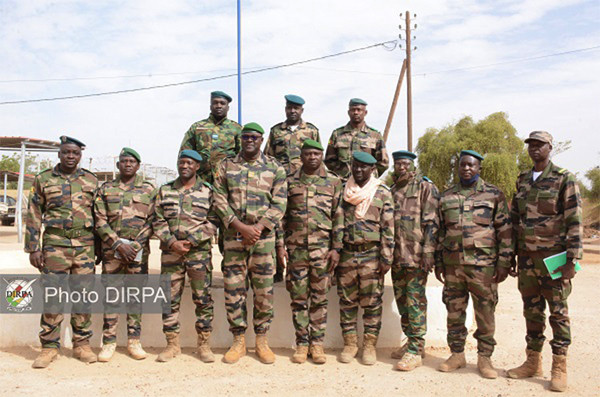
[[321, 218]]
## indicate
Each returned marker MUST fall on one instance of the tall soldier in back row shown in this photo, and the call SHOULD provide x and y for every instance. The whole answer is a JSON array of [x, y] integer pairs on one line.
[[62, 199]]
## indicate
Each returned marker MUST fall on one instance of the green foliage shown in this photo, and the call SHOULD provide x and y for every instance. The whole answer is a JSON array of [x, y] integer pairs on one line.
[[594, 176]]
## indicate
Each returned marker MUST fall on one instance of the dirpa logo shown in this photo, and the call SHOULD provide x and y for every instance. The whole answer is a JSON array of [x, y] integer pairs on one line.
[[19, 295]]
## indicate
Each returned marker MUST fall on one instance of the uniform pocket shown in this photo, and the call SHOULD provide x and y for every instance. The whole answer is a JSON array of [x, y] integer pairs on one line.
[[451, 211], [546, 202], [113, 203], [483, 212], [141, 205], [200, 210], [53, 195], [170, 206]]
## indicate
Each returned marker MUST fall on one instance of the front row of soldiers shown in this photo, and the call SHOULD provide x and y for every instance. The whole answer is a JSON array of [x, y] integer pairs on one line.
[[320, 227]]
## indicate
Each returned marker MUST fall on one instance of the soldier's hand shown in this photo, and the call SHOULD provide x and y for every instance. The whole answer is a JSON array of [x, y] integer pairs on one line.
[[127, 253], [333, 258], [568, 270], [500, 274], [181, 247], [36, 259], [439, 274], [513, 267], [282, 257], [250, 234]]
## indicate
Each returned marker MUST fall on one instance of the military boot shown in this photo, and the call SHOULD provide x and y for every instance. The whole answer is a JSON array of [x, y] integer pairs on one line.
[[531, 367], [135, 350], [369, 353], [317, 354], [107, 351], [558, 382], [401, 351], [263, 351], [485, 367], [409, 362], [46, 356], [350, 348], [173, 348], [300, 354], [84, 353], [204, 352], [237, 350], [454, 362]]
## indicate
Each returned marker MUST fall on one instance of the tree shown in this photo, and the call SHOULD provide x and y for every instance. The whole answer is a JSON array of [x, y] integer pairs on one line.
[[594, 176]]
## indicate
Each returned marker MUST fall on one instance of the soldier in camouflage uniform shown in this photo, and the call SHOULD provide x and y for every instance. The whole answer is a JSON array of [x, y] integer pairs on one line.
[[185, 226], [250, 200], [313, 225], [367, 254], [473, 256], [122, 209], [546, 215], [215, 137], [356, 135], [62, 200], [416, 227]]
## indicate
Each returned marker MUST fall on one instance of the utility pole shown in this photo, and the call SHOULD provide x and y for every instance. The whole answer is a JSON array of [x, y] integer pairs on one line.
[[388, 124], [408, 84]]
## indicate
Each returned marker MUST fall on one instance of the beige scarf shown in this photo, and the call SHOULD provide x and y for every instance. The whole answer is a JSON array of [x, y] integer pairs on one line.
[[361, 197]]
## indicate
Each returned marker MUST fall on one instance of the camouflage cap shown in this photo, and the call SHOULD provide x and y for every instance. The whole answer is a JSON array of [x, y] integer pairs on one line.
[[363, 157], [127, 151], [357, 101], [471, 153], [190, 154], [542, 136], [220, 94], [404, 154], [311, 144], [64, 140], [295, 99], [253, 127]]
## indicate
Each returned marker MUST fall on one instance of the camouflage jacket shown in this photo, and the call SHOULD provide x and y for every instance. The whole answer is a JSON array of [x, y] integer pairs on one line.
[[63, 204], [253, 192], [346, 140], [475, 227], [376, 226], [125, 211], [546, 214], [313, 217], [416, 222], [285, 144], [214, 141], [184, 214]]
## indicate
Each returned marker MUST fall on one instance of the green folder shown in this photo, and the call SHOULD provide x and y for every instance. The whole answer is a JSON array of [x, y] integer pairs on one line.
[[555, 261]]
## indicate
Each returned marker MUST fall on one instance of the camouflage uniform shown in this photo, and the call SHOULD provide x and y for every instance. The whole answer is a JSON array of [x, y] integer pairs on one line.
[[253, 193], [185, 214], [122, 211], [367, 243], [546, 216], [285, 143], [416, 225], [63, 204], [346, 140], [474, 239], [214, 140], [313, 225]]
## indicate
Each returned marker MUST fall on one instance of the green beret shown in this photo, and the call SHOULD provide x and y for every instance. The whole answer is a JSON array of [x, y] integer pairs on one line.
[[471, 153], [363, 157], [404, 154], [67, 139], [190, 154], [357, 101], [220, 94], [311, 144], [127, 151], [295, 99], [253, 127]]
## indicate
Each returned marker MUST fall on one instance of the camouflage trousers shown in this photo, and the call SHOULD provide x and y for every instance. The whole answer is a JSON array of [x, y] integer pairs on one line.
[[359, 284], [537, 288], [478, 281], [67, 260], [409, 290], [307, 279], [243, 265], [197, 264], [112, 265]]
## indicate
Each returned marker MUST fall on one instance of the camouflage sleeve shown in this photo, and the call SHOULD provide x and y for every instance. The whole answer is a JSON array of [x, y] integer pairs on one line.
[[331, 157], [145, 233], [33, 221], [268, 147], [278, 203], [279, 234], [381, 155], [317, 135], [103, 229], [441, 236], [386, 228], [430, 221], [160, 224], [503, 228], [238, 141], [515, 218], [204, 231], [571, 202], [220, 196], [337, 230], [188, 140]]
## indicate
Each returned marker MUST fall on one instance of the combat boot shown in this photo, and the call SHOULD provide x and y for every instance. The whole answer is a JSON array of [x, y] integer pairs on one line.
[[317, 354], [263, 351], [206, 355], [409, 362], [84, 353], [107, 351], [369, 353], [173, 348], [558, 381], [531, 367], [300, 354], [237, 350], [401, 351], [135, 350], [350, 348], [46, 356], [485, 367], [454, 362]]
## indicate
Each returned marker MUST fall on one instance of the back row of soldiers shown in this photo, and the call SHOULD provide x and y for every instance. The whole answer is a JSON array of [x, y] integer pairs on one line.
[[319, 223]]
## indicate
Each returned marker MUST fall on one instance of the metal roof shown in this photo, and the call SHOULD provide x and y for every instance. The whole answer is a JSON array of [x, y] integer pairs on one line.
[[13, 143], [14, 176]]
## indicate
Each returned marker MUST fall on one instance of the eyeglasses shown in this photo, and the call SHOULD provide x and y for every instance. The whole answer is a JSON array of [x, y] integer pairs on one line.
[[252, 138]]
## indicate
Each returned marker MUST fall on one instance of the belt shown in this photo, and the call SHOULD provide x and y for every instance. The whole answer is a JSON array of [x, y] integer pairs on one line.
[[69, 233], [360, 247]]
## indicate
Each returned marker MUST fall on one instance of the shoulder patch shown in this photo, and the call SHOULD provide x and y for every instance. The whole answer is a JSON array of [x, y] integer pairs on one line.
[[427, 179], [208, 185]]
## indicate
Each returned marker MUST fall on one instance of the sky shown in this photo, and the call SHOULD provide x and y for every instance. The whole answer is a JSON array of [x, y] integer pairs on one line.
[[61, 48]]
